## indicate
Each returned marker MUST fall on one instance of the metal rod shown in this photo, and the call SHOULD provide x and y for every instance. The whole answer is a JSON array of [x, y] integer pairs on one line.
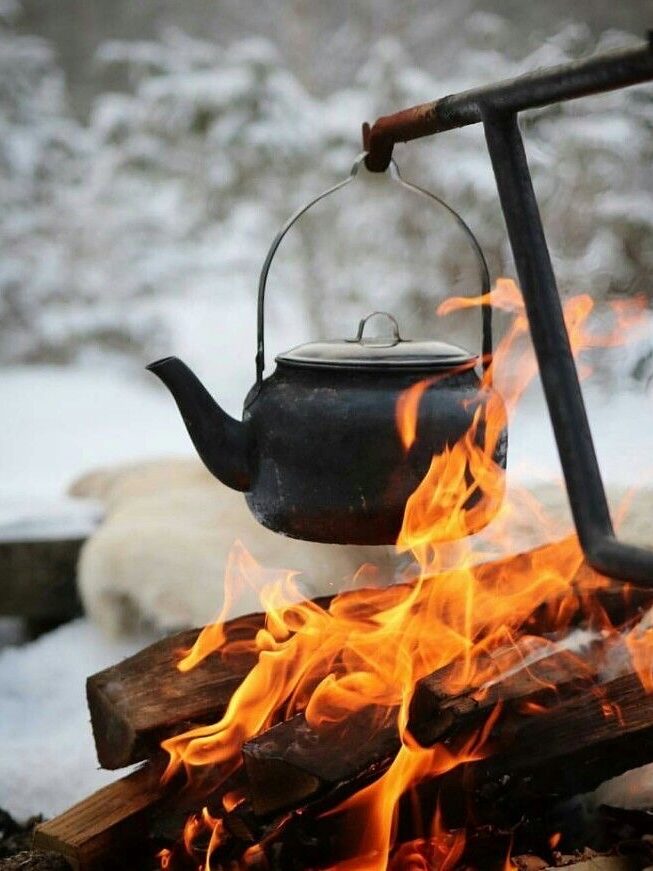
[[497, 107], [557, 368], [593, 75]]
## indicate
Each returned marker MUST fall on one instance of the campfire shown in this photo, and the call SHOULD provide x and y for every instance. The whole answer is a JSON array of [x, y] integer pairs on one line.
[[440, 723], [432, 724]]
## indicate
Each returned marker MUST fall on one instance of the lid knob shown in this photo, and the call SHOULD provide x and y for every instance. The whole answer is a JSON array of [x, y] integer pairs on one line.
[[394, 340]]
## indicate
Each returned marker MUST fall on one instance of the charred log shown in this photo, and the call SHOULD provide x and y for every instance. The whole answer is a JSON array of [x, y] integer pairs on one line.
[[292, 763]]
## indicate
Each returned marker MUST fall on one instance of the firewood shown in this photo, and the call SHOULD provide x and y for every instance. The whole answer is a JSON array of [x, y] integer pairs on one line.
[[552, 739], [292, 762], [137, 703], [590, 732], [106, 830], [569, 749], [437, 715], [140, 701]]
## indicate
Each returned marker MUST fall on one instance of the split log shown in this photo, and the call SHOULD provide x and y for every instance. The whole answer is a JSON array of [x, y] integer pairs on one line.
[[436, 715], [589, 733], [144, 699], [106, 830], [292, 763], [137, 703], [548, 742], [566, 750]]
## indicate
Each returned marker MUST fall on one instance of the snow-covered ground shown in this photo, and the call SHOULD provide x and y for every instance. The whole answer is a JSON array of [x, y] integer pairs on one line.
[[58, 423], [47, 757]]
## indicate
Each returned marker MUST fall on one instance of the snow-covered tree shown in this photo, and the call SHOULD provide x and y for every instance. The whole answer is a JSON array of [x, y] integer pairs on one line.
[[144, 230]]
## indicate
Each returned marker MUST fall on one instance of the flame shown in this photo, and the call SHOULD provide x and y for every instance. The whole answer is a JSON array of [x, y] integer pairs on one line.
[[372, 810], [369, 647], [164, 856]]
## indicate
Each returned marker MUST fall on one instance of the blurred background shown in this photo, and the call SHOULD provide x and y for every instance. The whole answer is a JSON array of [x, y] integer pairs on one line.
[[150, 151]]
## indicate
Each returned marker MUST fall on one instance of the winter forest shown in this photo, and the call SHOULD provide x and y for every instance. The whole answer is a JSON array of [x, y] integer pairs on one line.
[[137, 214]]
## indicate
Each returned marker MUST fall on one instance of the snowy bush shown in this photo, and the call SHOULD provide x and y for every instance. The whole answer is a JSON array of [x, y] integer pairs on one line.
[[144, 230]]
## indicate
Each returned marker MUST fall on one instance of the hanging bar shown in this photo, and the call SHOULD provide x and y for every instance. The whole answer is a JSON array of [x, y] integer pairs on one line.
[[593, 75], [497, 107]]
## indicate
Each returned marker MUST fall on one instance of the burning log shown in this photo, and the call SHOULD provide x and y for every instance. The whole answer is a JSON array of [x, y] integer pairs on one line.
[[436, 714], [97, 833], [145, 699], [571, 748], [291, 763], [140, 701], [558, 733], [137, 703]]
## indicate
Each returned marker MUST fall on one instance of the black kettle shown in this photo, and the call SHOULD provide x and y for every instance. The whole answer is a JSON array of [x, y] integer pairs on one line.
[[318, 453]]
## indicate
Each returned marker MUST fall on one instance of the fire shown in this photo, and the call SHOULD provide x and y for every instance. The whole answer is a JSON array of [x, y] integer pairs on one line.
[[370, 647], [372, 810]]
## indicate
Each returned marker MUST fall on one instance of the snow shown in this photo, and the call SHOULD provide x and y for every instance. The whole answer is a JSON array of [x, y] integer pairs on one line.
[[171, 193], [48, 759], [59, 422], [621, 422]]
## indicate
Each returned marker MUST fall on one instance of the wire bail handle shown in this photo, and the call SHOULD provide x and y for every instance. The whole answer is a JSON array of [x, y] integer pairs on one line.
[[394, 175]]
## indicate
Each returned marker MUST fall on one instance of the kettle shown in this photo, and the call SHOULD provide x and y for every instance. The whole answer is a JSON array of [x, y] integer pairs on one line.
[[318, 453]]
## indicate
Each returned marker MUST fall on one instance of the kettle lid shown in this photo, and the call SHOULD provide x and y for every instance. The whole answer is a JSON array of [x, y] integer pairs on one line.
[[379, 352]]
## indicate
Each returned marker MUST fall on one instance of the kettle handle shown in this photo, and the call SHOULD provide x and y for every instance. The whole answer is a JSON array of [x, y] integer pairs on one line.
[[486, 310]]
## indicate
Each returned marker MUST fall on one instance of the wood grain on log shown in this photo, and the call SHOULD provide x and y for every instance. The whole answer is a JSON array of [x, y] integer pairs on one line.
[[105, 830], [557, 733], [140, 701], [437, 715], [292, 763], [137, 703], [569, 749]]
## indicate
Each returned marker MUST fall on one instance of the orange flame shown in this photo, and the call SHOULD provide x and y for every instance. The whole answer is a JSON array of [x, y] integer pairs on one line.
[[372, 810], [371, 646], [164, 856]]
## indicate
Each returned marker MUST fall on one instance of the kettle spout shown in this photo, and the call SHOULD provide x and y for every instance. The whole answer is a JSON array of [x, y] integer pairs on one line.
[[221, 441]]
